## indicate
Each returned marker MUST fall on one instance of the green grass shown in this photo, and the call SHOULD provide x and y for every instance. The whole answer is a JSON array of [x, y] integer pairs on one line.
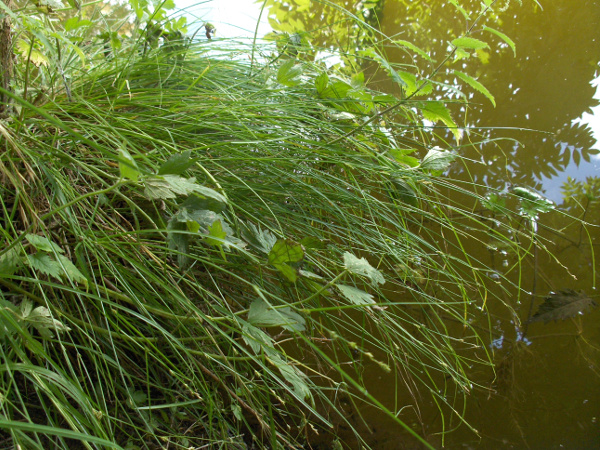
[[199, 216]]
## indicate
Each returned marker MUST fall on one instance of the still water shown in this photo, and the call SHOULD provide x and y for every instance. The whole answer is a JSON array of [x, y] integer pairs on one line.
[[543, 133]]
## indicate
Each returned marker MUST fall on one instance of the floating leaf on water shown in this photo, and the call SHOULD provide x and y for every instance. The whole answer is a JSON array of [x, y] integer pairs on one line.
[[532, 203], [563, 305]]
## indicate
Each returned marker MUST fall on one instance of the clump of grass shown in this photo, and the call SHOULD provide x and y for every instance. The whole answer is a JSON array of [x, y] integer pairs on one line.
[[204, 251]]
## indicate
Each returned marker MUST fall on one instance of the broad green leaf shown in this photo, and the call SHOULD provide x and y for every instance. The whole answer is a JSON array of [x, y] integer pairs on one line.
[[409, 80], [216, 236], [362, 267], [563, 305], [437, 160], [176, 164], [10, 262], [356, 296], [127, 166], [201, 203], [294, 377], [42, 262], [262, 240], [435, 111], [71, 270], [502, 36], [476, 85], [261, 314], [414, 48], [532, 203], [469, 43], [289, 73], [321, 83], [402, 156], [256, 338], [169, 186], [42, 243], [34, 55], [41, 319], [284, 252], [312, 242], [405, 192]]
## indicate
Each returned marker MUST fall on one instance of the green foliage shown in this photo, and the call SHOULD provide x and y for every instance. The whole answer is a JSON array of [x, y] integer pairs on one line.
[[205, 244]]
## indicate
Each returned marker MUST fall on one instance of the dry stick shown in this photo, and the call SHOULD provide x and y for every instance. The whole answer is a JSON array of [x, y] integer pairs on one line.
[[405, 100]]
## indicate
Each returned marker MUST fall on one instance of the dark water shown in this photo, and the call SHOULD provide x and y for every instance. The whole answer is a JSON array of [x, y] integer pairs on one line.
[[545, 392]]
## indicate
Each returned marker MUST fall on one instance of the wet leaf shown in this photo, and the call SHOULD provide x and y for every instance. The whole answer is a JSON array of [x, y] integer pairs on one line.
[[563, 305]]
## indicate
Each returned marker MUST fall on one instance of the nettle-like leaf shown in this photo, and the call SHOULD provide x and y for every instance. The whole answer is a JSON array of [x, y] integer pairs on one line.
[[362, 267], [435, 111], [42, 262], [356, 296], [502, 36], [43, 243], [262, 240], [10, 262], [286, 251], [170, 186], [563, 305], [437, 160], [176, 164], [261, 314]]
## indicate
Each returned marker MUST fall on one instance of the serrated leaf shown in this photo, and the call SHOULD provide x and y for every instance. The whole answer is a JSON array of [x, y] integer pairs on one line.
[[362, 267], [176, 164], [414, 48], [356, 296], [10, 262], [216, 235], [402, 156], [294, 377], [405, 192], [261, 314], [41, 319], [470, 43], [289, 73], [34, 55], [170, 186], [321, 82], [435, 111], [283, 252], [476, 85], [45, 264], [71, 270], [502, 36], [127, 166], [437, 160], [262, 240], [563, 305], [43, 243], [256, 338]]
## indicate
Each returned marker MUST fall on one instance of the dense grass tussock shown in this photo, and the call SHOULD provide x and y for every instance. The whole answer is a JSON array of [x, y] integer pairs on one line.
[[196, 252]]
